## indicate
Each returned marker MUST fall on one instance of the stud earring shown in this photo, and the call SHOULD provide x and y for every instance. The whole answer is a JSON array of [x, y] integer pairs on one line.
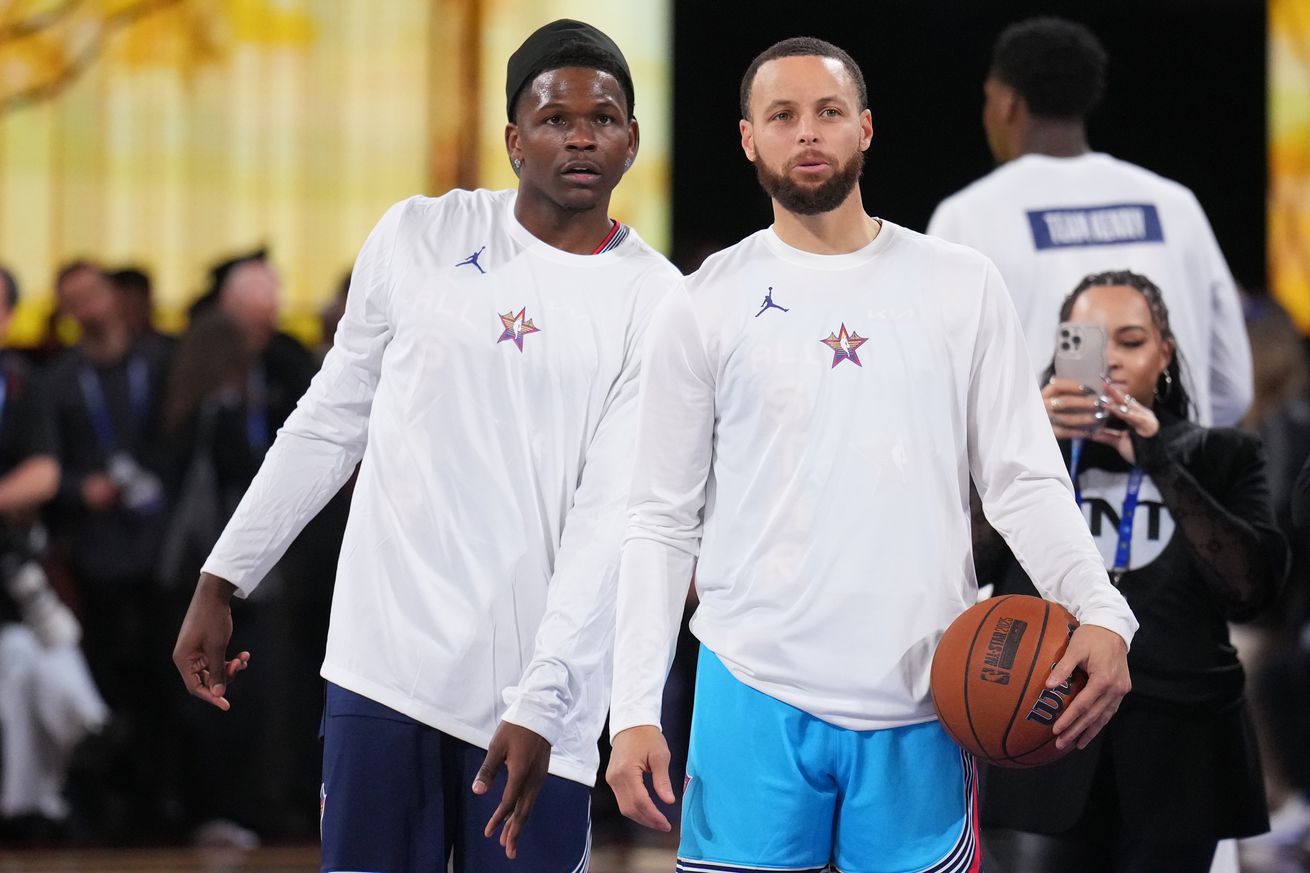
[[1168, 386]]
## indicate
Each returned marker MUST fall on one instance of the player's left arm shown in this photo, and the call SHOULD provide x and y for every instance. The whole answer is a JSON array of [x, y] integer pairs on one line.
[[1028, 498], [575, 640]]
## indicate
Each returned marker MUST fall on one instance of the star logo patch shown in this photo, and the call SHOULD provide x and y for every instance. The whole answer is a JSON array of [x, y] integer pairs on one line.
[[516, 327], [843, 346]]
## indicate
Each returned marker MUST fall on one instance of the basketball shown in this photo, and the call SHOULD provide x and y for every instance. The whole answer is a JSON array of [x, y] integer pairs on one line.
[[989, 679]]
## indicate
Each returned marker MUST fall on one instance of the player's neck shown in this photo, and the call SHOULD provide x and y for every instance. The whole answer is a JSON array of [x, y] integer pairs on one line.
[[578, 233], [844, 230], [1056, 139]]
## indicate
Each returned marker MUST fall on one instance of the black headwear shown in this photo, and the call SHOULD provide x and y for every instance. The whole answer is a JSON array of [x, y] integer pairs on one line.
[[560, 38]]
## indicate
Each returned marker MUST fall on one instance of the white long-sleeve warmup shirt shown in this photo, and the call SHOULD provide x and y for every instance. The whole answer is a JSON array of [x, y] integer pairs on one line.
[[488, 382], [809, 425], [1047, 222]]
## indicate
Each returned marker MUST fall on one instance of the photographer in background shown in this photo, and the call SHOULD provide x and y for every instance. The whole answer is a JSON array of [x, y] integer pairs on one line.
[[48, 703], [108, 521]]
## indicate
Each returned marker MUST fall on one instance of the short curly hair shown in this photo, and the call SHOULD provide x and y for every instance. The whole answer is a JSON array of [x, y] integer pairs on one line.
[[803, 46], [1056, 65]]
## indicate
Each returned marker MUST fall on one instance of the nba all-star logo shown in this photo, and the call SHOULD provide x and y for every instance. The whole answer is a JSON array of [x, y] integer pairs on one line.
[[516, 327], [844, 346]]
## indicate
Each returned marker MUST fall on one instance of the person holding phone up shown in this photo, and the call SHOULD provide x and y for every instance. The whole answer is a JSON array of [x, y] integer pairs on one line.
[[1181, 515]]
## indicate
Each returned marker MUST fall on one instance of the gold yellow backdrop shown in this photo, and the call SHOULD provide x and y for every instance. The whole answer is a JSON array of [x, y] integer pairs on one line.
[[171, 134], [1289, 156]]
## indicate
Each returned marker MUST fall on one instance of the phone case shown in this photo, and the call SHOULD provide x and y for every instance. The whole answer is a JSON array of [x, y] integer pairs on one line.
[[1080, 353]]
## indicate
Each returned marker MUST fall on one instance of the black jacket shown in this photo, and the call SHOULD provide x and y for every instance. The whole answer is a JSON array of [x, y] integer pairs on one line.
[[1180, 748]]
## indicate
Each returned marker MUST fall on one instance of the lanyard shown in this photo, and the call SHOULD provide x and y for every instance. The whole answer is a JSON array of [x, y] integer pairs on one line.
[[138, 389], [1123, 550], [257, 410]]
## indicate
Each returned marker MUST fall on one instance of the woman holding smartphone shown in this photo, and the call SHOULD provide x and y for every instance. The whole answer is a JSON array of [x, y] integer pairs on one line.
[[1181, 515]]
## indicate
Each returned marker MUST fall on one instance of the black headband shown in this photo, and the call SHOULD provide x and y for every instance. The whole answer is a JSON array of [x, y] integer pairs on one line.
[[529, 60]]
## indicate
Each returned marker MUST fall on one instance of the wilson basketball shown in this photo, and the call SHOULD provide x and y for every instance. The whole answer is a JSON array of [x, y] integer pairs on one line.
[[989, 679]]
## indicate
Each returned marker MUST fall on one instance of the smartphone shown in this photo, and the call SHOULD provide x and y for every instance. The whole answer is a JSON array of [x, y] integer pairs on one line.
[[1080, 353], [1080, 357]]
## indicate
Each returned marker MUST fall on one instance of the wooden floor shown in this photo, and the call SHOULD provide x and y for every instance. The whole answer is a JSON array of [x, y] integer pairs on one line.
[[270, 860]]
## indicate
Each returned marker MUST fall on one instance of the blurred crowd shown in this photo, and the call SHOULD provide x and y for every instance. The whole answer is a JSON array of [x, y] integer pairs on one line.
[[121, 457]]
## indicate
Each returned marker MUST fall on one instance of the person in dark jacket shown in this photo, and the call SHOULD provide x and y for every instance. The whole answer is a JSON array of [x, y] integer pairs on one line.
[[48, 703], [235, 380], [1181, 514], [107, 522]]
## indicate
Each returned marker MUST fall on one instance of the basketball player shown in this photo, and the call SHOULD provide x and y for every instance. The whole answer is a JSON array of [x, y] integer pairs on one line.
[[1055, 211], [485, 371], [816, 458]]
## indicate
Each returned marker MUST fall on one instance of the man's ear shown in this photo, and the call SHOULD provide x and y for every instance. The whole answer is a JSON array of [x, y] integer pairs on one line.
[[513, 147], [1013, 107], [634, 140], [747, 139]]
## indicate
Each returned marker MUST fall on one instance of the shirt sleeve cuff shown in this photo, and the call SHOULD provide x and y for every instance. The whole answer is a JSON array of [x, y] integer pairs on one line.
[[620, 721], [526, 711], [244, 587], [1125, 628]]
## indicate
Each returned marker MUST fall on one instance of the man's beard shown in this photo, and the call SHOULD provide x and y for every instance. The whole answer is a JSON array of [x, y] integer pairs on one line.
[[811, 199]]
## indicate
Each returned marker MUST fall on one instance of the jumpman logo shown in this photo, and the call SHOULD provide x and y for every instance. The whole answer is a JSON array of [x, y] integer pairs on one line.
[[473, 259], [769, 304]]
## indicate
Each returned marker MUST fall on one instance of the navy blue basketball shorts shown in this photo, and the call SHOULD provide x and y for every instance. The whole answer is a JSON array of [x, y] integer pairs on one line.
[[397, 798]]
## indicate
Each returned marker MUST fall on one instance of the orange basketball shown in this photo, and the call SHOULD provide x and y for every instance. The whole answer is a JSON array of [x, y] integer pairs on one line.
[[989, 679]]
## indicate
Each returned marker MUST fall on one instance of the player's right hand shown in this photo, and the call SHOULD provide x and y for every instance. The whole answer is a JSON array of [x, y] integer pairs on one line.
[[637, 751], [202, 642]]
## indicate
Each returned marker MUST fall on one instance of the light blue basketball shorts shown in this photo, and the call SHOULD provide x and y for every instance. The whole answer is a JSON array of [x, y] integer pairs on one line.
[[771, 787]]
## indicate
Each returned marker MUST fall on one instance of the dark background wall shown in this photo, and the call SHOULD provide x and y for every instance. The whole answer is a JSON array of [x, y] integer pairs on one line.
[[1185, 97]]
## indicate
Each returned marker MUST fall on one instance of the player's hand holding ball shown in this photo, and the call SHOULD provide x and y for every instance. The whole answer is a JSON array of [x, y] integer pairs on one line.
[[1017, 681]]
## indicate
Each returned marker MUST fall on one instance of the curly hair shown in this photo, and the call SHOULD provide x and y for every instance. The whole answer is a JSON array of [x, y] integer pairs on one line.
[[1058, 66]]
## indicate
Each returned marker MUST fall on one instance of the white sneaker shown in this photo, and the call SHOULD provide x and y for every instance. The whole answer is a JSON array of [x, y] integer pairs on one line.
[[221, 833], [1289, 831]]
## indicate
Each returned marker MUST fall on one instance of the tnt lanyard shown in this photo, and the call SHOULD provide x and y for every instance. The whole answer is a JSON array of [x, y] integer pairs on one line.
[[1123, 550], [138, 389]]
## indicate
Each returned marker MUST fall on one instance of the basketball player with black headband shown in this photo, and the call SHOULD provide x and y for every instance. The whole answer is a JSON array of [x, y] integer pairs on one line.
[[485, 372], [812, 461]]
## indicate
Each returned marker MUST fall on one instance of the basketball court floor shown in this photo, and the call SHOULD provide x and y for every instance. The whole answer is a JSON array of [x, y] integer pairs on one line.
[[300, 859]]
